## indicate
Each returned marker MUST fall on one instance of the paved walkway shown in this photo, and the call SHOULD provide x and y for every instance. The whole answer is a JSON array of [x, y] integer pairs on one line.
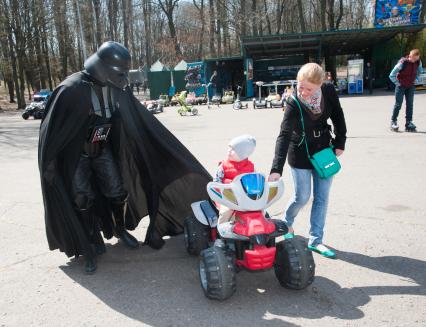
[[376, 221]]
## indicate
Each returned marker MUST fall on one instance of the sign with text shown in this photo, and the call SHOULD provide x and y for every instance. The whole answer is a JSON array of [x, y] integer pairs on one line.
[[396, 12]]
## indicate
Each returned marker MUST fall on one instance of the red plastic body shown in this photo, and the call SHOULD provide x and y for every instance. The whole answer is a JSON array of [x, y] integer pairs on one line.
[[261, 257], [250, 223]]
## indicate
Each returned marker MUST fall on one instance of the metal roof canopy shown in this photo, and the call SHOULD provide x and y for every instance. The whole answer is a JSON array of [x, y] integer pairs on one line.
[[338, 42]]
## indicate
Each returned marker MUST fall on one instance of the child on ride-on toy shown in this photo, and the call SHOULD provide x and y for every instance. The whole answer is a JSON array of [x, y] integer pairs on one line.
[[236, 163]]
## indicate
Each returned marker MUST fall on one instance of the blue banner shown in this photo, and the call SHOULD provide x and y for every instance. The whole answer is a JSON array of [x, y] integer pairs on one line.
[[248, 71], [396, 12]]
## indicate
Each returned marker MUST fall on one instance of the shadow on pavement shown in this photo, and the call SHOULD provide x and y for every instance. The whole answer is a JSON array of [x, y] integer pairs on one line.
[[161, 288], [411, 270]]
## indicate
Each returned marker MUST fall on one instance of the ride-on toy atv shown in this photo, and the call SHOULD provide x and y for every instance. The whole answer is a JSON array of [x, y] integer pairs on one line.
[[36, 108], [228, 97], [247, 241]]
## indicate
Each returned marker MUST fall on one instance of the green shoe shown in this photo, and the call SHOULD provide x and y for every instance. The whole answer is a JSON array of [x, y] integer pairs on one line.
[[289, 235], [323, 250]]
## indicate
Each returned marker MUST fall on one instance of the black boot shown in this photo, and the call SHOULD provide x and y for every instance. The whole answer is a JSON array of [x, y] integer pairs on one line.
[[90, 266], [93, 232], [118, 211], [98, 243]]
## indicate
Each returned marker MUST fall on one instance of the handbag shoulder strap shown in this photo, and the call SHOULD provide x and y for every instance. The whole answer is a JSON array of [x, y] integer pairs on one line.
[[303, 125]]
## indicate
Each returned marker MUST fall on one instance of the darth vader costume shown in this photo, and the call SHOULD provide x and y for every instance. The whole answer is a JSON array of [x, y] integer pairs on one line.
[[105, 163]]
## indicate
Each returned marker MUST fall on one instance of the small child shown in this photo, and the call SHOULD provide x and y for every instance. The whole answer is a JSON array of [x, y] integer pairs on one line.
[[236, 163]]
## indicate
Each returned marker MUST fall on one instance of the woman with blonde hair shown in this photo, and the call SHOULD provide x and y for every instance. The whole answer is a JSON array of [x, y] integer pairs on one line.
[[315, 102]]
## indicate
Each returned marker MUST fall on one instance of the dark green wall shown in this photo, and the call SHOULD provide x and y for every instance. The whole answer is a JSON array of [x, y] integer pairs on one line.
[[159, 82]]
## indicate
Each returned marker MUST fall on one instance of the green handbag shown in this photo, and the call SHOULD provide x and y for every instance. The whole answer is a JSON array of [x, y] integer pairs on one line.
[[325, 161]]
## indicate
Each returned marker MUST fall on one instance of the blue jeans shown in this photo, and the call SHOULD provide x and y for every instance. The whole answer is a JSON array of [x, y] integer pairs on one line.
[[302, 186], [409, 99]]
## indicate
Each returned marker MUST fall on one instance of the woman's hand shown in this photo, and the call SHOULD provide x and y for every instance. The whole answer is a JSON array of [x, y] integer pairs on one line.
[[339, 152], [274, 177]]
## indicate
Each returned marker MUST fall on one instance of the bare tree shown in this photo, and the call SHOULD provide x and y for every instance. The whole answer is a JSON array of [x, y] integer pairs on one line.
[[168, 7]]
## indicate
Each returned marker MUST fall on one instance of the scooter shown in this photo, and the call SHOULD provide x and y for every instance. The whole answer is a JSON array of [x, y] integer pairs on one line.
[[237, 103], [215, 100], [247, 241], [259, 103]]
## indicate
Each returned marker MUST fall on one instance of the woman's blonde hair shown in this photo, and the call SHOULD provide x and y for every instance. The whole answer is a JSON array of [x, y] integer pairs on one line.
[[312, 73]]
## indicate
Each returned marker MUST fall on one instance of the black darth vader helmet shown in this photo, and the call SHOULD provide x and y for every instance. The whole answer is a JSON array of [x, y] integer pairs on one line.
[[109, 65]]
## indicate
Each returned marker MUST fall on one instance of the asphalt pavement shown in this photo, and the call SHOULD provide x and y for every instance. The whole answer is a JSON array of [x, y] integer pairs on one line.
[[376, 223]]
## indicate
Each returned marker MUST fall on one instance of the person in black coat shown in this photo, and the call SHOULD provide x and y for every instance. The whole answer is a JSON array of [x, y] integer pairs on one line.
[[319, 102], [105, 163]]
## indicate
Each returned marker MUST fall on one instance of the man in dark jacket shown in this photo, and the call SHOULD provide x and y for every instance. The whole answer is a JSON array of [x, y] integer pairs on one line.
[[404, 75], [105, 163], [369, 77]]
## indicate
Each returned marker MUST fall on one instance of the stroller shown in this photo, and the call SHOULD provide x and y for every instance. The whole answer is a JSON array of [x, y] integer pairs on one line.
[[184, 107]]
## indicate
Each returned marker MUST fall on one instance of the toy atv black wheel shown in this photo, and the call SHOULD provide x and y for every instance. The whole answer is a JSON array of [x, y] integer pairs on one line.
[[294, 264], [196, 235], [25, 115], [217, 273], [194, 111]]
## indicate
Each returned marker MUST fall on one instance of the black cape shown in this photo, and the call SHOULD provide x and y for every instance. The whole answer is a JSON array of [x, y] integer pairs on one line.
[[160, 175]]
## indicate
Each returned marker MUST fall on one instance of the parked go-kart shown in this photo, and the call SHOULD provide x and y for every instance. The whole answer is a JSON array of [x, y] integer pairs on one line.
[[228, 97], [163, 99], [201, 99], [274, 100], [153, 106], [246, 242], [184, 107]]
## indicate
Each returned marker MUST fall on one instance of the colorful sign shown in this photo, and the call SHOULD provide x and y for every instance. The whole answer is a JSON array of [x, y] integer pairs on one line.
[[249, 76], [396, 12]]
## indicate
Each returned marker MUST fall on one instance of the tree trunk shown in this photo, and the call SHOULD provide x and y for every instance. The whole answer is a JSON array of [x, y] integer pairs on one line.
[[242, 18], [17, 49], [125, 18], [280, 11], [301, 16], [147, 29], [203, 24], [339, 18], [11, 88], [218, 29], [253, 18], [211, 28], [330, 15], [268, 21], [168, 8], [323, 9], [98, 22]]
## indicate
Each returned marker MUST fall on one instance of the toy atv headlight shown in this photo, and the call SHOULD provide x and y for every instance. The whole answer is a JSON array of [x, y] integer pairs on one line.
[[253, 185]]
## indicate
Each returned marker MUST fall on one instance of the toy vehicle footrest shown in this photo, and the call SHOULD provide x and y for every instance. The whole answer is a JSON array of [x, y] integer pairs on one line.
[[209, 212]]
